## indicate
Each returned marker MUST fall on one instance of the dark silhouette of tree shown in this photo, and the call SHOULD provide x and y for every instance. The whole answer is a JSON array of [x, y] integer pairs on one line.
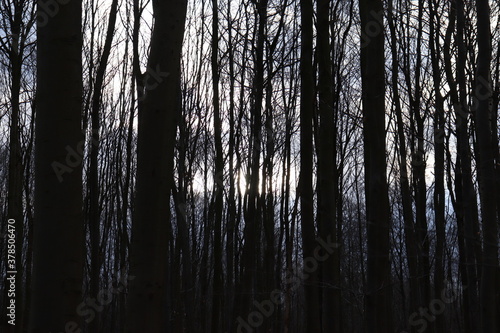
[[378, 298], [218, 177], [327, 187], [93, 216], [486, 172], [406, 200], [439, 157], [312, 313], [58, 242], [157, 123]]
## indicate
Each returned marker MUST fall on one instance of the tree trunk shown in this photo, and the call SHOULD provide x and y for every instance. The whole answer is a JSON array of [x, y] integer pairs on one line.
[[253, 217], [57, 284], [93, 219], [231, 218], [408, 219], [330, 269], [418, 167], [466, 204], [312, 310], [378, 299], [486, 171], [439, 192], [158, 113], [217, 301]]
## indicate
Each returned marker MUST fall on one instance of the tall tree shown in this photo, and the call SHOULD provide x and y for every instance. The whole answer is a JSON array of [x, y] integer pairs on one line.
[[439, 158], [406, 200], [378, 298], [94, 212], [157, 123], [418, 162], [307, 87], [218, 175], [253, 218], [486, 171], [327, 187], [231, 219], [466, 203], [58, 230]]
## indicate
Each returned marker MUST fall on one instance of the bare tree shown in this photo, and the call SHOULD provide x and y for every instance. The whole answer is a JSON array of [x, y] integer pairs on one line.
[[157, 123], [486, 171], [307, 105], [378, 294], [58, 229], [327, 187]]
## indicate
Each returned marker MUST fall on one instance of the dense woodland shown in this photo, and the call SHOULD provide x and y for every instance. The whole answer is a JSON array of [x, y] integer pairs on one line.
[[250, 166]]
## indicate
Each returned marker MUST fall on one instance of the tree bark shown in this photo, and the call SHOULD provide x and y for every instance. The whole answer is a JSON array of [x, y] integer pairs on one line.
[[217, 301], [439, 192], [58, 230], [157, 123], [378, 298], [466, 204], [307, 105], [486, 172], [327, 187], [253, 216]]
